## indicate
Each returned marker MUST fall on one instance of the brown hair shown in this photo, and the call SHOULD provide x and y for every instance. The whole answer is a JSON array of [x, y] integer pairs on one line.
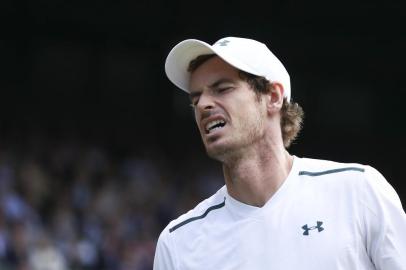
[[291, 112]]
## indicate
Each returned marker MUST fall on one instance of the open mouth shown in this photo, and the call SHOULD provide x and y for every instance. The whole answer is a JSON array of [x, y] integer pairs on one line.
[[214, 125]]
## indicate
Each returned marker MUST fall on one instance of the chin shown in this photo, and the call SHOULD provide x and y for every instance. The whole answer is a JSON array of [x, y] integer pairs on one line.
[[219, 152], [214, 151]]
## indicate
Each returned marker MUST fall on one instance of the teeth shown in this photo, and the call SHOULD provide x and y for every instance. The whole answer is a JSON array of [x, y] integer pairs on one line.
[[212, 125]]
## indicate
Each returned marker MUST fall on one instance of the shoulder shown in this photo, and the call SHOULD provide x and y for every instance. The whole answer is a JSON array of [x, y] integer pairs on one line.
[[215, 202], [319, 167], [166, 256], [377, 188], [337, 177], [366, 179]]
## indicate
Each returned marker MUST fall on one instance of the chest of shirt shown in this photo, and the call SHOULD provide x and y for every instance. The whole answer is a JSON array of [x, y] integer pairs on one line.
[[309, 231]]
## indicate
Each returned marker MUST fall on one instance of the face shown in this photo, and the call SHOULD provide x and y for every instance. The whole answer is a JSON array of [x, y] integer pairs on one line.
[[228, 113]]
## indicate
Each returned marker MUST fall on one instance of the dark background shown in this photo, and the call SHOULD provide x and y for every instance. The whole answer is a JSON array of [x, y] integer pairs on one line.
[[93, 70], [92, 73]]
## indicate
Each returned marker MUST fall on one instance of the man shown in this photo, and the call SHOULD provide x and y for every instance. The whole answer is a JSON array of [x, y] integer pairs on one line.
[[276, 211]]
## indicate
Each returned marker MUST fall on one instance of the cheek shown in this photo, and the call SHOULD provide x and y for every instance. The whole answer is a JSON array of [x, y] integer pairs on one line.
[[253, 118], [250, 110]]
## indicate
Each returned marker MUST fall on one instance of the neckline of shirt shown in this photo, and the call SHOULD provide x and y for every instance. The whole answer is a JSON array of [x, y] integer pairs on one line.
[[245, 210]]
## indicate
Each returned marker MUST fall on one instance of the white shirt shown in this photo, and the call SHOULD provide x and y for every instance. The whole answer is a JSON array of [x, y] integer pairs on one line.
[[326, 215]]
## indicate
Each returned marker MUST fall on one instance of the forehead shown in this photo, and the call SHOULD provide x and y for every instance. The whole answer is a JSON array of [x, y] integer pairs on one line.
[[211, 71]]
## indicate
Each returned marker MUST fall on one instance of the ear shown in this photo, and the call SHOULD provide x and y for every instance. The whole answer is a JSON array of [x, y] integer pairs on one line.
[[275, 97]]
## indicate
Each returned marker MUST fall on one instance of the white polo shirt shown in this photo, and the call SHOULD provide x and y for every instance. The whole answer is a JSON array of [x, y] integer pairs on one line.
[[326, 215]]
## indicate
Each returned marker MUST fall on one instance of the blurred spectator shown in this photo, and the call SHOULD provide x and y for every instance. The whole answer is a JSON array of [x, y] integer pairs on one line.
[[69, 206], [44, 256]]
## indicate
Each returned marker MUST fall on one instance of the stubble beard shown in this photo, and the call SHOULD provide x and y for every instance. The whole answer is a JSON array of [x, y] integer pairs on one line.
[[239, 142]]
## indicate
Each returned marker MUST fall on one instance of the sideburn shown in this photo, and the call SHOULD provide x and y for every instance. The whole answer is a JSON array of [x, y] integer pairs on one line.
[[259, 85]]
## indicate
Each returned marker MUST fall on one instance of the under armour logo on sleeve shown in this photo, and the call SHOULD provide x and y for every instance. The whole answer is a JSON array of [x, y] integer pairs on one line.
[[306, 228]]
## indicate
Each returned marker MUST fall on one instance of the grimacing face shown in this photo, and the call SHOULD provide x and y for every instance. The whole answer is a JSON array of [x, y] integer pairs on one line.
[[228, 113]]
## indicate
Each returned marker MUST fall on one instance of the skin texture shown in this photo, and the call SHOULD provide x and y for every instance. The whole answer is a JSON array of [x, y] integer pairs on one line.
[[250, 145]]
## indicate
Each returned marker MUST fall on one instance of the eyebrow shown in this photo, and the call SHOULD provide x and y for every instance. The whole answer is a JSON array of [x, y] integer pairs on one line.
[[220, 81], [213, 85]]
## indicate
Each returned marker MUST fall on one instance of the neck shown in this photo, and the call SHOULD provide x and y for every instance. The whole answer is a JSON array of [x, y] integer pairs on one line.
[[255, 177]]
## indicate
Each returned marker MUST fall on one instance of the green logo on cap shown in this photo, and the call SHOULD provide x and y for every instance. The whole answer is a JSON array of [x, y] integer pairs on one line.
[[223, 42]]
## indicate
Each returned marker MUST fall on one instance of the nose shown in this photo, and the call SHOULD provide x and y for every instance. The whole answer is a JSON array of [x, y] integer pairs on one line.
[[206, 102]]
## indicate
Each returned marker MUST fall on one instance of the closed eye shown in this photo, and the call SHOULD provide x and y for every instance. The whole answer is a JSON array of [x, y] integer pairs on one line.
[[223, 89], [194, 98]]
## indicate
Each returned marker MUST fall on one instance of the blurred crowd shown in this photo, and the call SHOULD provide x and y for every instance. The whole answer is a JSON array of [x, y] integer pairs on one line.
[[72, 206]]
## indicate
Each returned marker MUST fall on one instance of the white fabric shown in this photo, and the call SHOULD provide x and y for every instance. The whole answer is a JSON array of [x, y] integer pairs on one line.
[[364, 226], [242, 53]]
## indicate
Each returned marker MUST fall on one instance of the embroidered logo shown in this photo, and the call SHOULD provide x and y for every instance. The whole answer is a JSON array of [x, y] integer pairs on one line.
[[306, 228], [223, 42]]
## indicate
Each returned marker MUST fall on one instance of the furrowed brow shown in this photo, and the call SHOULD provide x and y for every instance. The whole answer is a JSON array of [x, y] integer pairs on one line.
[[220, 81], [195, 94]]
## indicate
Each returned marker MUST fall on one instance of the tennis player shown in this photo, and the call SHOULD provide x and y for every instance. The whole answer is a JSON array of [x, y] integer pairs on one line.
[[276, 210]]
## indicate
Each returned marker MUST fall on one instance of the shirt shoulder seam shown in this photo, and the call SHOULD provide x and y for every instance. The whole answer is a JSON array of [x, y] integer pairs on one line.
[[208, 210]]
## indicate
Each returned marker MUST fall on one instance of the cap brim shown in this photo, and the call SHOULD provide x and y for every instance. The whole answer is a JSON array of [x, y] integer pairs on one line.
[[177, 62]]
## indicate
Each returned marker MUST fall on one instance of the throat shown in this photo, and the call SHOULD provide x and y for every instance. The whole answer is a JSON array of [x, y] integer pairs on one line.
[[253, 183]]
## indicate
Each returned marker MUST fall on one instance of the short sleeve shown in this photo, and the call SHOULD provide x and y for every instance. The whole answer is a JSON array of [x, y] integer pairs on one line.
[[384, 222], [165, 252]]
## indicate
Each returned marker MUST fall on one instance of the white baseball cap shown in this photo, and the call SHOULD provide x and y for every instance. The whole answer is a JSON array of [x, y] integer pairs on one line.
[[244, 54]]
